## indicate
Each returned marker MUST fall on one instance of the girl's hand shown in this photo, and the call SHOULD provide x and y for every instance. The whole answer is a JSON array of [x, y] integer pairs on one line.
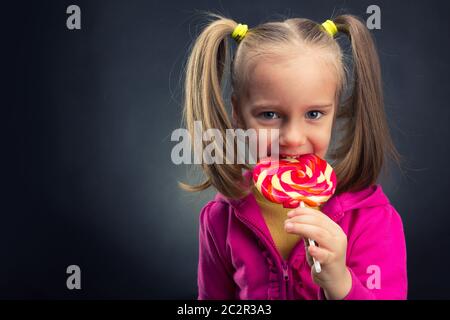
[[331, 241]]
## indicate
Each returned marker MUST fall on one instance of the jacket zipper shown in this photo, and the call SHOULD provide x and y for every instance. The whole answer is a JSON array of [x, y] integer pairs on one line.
[[286, 279], [284, 264]]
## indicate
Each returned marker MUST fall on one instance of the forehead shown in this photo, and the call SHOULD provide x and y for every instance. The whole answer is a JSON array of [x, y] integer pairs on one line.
[[303, 79]]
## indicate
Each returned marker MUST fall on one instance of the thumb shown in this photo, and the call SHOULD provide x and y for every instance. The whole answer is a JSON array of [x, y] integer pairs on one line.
[[309, 259]]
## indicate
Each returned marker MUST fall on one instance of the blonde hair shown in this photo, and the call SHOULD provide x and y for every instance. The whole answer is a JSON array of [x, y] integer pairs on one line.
[[365, 143]]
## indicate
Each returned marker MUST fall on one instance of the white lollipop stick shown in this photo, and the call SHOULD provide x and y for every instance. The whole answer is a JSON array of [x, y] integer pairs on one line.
[[311, 242]]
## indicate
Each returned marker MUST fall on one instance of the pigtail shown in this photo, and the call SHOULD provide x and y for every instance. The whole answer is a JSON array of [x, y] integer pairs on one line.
[[366, 141], [203, 102]]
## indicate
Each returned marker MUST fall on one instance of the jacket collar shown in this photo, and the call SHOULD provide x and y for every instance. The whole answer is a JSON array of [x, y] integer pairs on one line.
[[335, 208]]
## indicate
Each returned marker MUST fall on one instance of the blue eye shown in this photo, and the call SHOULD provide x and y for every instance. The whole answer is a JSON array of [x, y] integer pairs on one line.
[[314, 114], [269, 115]]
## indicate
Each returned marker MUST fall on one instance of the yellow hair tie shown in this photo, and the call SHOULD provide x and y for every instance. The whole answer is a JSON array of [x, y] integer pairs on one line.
[[239, 32], [330, 27]]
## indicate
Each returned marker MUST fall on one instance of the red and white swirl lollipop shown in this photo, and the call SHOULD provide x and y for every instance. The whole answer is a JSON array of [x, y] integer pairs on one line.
[[295, 181], [289, 181]]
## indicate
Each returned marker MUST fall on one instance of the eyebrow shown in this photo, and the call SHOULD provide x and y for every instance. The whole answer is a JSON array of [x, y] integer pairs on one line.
[[275, 105]]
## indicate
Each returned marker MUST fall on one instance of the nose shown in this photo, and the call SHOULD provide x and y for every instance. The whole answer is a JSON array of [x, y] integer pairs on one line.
[[292, 135]]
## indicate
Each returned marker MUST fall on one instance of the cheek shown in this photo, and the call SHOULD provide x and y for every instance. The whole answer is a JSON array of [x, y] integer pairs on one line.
[[320, 141], [266, 137]]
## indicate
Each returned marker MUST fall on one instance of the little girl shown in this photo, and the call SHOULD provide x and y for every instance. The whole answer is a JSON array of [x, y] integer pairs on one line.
[[291, 76]]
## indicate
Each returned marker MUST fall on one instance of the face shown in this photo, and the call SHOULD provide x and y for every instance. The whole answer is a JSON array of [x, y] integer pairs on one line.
[[296, 96]]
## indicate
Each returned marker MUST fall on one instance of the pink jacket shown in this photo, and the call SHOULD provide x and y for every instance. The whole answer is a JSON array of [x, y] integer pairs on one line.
[[238, 258]]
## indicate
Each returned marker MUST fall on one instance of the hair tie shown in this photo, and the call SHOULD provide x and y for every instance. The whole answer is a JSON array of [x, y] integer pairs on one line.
[[239, 32], [330, 27]]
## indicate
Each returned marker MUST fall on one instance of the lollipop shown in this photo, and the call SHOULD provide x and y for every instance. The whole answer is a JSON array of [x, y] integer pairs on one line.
[[293, 182]]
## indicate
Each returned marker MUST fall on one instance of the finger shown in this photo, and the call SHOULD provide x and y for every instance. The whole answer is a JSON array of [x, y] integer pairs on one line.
[[319, 216], [308, 256], [320, 254], [319, 234], [303, 210], [315, 220]]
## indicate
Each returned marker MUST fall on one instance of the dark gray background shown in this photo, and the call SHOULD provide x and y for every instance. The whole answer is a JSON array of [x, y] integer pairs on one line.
[[87, 117]]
